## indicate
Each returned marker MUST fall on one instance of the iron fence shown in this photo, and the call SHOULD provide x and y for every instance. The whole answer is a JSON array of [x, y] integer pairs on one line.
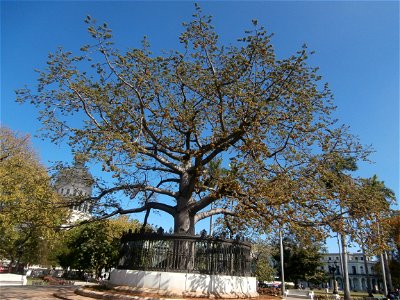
[[185, 253]]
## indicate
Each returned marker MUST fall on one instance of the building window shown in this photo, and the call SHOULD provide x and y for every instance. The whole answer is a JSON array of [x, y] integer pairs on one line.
[[330, 258], [362, 258]]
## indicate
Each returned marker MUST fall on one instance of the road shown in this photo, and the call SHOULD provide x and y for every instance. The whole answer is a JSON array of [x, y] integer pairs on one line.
[[31, 292]]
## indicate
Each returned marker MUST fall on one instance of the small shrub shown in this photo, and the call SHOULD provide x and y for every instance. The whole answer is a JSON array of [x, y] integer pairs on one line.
[[271, 291], [101, 287]]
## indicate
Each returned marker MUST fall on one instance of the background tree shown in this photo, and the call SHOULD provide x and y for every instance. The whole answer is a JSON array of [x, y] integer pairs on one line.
[[374, 213], [372, 228], [394, 262], [94, 246], [157, 122], [262, 254], [384, 239], [30, 210], [358, 200], [302, 259]]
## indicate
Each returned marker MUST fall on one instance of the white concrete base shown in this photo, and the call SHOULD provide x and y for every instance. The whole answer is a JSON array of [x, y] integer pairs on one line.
[[185, 284], [12, 279]]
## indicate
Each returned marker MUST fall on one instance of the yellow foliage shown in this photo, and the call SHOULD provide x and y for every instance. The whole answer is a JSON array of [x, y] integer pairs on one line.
[[30, 209]]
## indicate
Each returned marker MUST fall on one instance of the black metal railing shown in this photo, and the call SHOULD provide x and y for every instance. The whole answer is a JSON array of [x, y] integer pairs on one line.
[[185, 253]]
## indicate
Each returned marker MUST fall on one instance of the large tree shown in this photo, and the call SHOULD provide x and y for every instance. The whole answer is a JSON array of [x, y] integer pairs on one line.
[[158, 123], [29, 208]]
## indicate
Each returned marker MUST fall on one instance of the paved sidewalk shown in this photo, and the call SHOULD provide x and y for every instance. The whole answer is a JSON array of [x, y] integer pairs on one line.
[[69, 295], [29, 292]]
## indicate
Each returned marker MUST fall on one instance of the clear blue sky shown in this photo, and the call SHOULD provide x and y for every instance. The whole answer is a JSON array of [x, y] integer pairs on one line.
[[356, 44]]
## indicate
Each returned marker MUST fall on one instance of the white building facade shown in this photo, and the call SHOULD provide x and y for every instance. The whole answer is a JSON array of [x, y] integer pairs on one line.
[[360, 267], [75, 185]]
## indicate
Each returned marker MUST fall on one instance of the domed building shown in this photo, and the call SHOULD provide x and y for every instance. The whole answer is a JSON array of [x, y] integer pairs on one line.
[[75, 185]]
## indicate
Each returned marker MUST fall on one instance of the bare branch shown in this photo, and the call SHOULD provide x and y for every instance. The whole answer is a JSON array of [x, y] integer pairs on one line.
[[84, 105]]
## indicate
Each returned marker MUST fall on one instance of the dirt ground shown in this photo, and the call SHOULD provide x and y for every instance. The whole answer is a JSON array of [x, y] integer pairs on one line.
[[145, 294]]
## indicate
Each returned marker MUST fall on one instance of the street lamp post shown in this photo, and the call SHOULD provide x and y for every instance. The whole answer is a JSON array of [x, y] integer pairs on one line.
[[282, 263], [332, 270]]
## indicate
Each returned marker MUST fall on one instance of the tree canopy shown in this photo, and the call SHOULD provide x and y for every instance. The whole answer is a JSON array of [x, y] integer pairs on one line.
[[94, 246], [29, 208], [158, 123], [368, 224]]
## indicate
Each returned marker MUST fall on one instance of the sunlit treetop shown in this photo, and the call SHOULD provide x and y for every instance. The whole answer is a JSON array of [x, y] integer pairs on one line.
[[225, 124], [30, 210]]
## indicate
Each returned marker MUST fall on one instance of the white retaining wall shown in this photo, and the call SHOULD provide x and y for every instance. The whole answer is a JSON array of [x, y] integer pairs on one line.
[[186, 284], [12, 279]]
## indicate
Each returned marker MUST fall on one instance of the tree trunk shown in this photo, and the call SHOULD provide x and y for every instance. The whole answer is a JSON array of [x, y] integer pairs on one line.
[[282, 263], [346, 283], [183, 252], [387, 270], [385, 289], [369, 287], [184, 222], [183, 218]]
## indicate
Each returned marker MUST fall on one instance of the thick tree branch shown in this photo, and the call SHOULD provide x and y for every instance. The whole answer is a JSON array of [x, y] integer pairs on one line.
[[119, 211], [204, 202], [149, 205], [221, 145], [167, 153], [147, 168], [174, 168], [211, 212], [135, 187]]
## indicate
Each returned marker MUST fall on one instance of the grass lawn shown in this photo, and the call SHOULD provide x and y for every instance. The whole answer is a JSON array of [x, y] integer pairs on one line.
[[33, 281], [353, 294]]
